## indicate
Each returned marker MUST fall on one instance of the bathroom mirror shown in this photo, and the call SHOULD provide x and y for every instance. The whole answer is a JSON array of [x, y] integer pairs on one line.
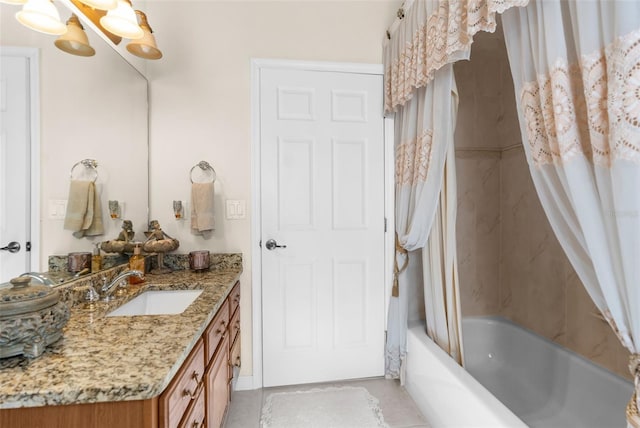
[[89, 108]]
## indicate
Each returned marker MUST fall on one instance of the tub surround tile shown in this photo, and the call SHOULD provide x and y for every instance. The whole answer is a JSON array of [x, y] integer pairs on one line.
[[622, 356], [116, 358], [477, 231], [415, 292], [587, 334]]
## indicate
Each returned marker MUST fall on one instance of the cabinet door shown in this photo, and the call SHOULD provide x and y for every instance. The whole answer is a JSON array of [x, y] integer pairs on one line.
[[217, 391], [182, 390]]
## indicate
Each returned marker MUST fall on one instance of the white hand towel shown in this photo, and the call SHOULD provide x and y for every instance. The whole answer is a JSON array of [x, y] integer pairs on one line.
[[83, 216], [202, 207]]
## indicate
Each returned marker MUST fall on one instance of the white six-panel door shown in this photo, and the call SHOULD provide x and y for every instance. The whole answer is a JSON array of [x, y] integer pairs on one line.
[[322, 194]]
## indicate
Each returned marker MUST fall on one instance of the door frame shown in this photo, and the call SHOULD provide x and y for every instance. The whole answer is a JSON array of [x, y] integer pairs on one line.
[[33, 55], [254, 381]]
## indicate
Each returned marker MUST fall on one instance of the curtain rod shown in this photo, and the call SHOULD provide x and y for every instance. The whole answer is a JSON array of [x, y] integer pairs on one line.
[[399, 17]]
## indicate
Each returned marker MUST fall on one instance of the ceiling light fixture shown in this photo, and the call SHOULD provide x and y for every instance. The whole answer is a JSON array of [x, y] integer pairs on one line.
[[101, 4], [122, 21], [145, 47], [42, 16], [75, 40]]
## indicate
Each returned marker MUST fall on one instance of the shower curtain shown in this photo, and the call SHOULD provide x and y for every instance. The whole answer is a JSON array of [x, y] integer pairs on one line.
[[576, 71], [420, 89], [424, 133]]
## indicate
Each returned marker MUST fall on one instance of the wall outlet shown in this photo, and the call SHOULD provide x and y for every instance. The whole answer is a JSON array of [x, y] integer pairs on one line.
[[236, 209]]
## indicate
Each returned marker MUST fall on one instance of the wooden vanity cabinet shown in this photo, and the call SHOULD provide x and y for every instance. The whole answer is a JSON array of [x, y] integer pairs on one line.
[[198, 395], [203, 399]]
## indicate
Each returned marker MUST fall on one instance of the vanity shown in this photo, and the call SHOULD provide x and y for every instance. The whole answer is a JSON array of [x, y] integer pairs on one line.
[[154, 371]]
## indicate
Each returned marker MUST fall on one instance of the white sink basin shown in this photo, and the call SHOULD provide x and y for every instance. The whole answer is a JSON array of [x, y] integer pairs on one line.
[[169, 302]]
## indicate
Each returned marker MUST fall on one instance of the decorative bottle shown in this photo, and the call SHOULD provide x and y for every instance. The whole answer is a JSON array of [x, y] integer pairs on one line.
[[136, 262], [96, 258]]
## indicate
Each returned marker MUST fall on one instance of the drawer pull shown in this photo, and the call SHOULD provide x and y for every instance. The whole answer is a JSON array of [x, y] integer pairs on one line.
[[197, 424], [237, 364], [188, 394]]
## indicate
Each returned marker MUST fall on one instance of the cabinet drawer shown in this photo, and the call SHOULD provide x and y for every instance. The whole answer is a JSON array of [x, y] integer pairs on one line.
[[234, 326], [216, 330], [234, 356], [234, 298], [175, 400], [196, 417]]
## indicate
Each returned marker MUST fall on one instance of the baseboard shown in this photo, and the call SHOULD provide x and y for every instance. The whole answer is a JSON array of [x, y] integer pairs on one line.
[[244, 383]]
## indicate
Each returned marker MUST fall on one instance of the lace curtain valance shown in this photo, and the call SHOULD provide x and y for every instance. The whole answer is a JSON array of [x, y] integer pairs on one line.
[[431, 37]]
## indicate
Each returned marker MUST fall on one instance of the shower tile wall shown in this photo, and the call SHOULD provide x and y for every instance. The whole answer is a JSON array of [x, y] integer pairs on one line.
[[478, 230], [533, 265], [510, 262]]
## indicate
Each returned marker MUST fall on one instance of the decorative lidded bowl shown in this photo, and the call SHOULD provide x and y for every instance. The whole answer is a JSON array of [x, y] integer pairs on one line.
[[31, 318]]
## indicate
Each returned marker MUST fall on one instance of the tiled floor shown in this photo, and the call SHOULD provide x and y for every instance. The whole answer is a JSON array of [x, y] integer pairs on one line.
[[398, 408]]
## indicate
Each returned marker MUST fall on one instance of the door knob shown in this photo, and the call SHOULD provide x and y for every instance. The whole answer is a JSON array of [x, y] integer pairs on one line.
[[271, 244], [12, 247]]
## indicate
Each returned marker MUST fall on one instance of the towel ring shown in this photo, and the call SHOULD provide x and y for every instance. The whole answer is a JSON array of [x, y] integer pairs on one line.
[[91, 164], [205, 167]]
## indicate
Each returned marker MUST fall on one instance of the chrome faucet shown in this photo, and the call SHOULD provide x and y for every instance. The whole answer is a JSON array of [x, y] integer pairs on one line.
[[40, 278], [107, 287]]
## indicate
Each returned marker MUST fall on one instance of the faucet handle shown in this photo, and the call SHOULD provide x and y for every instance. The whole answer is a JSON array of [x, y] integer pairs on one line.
[[91, 297], [121, 289]]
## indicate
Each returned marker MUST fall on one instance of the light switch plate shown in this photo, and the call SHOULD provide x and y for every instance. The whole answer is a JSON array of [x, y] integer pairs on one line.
[[57, 209], [236, 209]]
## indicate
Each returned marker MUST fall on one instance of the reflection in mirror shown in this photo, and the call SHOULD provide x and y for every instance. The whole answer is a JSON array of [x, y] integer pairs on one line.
[[89, 108]]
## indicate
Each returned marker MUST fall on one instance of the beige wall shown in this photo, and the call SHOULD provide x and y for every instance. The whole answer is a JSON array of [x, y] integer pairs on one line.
[[201, 100], [510, 262]]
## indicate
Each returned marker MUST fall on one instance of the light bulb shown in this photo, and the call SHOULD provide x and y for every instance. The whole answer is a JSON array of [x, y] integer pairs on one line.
[[122, 21], [42, 16]]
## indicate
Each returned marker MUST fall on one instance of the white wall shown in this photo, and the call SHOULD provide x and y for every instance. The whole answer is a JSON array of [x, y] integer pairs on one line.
[[201, 101]]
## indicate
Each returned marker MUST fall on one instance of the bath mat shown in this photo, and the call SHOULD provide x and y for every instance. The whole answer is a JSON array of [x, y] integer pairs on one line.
[[343, 407]]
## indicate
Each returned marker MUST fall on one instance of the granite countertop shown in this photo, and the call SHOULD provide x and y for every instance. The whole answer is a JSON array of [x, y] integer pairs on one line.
[[103, 358]]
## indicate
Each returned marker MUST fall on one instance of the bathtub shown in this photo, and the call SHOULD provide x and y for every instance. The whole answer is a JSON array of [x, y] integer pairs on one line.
[[446, 394], [543, 383], [519, 379]]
